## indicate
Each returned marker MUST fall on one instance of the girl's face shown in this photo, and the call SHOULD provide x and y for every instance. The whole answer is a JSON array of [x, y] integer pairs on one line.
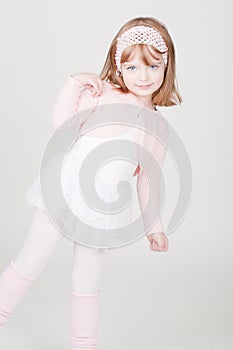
[[142, 79]]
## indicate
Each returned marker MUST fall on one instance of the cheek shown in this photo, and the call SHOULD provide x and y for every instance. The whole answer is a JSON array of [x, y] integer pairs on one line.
[[127, 79], [159, 78]]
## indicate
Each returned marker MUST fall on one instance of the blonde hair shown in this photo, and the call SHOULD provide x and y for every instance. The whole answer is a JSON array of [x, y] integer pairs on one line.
[[167, 94]]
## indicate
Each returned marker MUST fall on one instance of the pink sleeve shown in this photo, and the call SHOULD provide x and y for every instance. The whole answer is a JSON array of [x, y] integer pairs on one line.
[[65, 104], [71, 99], [158, 150]]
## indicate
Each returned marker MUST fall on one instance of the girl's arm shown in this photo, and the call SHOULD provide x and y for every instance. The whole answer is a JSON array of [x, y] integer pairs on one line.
[[77, 93], [66, 102], [158, 150]]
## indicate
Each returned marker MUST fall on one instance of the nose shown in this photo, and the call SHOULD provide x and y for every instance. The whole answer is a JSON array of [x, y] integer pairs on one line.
[[143, 74]]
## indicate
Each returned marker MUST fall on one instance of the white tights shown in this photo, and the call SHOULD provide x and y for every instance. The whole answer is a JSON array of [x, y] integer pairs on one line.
[[39, 246]]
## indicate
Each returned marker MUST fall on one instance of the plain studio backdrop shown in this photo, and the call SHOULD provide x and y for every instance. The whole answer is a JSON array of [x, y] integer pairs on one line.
[[181, 299]]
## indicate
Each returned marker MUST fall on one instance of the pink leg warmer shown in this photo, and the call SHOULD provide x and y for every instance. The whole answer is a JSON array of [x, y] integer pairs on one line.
[[84, 318], [13, 286]]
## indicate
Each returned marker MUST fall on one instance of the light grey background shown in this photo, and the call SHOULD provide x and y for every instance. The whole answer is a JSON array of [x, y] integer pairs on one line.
[[181, 299]]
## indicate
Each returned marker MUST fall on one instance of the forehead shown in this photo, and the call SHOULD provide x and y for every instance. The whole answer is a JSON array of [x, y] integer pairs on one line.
[[143, 52]]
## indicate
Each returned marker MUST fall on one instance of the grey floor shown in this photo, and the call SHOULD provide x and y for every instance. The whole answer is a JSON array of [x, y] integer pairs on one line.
[[160, 304]]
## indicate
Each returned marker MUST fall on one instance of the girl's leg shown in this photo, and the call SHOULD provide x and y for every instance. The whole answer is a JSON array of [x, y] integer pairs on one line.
[[87, 270], [37, 248]]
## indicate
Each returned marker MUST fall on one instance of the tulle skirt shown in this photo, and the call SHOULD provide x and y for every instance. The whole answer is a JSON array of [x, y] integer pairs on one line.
[[105, 185]]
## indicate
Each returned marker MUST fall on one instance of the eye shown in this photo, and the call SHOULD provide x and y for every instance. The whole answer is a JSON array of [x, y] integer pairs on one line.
[[131, 68], [153, 66]]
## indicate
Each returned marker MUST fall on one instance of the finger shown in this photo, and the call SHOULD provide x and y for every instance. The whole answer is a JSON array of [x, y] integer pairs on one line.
[[91, 83], [149, 239], [99, 85], [158, 244], [155, 246], [87, 85], [152, 246], [166, 245], [96, 91], [99, 82], [161, 246]]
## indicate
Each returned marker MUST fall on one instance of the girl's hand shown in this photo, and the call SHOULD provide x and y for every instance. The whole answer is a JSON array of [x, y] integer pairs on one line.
[[90, 81], [158, 241]]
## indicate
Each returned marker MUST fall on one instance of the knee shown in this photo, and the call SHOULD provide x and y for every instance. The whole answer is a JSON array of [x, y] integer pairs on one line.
[[87, 270], [26, 272]]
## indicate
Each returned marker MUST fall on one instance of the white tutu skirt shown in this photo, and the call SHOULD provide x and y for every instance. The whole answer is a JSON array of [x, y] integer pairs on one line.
[[105, 186]]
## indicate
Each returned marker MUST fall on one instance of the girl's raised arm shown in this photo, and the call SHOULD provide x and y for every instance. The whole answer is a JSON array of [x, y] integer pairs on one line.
[[66, 102], [77, 93]]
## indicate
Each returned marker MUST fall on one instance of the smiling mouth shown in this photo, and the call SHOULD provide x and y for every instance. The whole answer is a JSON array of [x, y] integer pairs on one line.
[[144, 86]]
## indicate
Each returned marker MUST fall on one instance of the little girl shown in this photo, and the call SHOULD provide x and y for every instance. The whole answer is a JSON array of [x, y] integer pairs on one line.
[[139, 70]]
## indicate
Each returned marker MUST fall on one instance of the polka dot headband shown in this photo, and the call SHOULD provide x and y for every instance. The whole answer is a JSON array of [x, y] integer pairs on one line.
[[140, 35]]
